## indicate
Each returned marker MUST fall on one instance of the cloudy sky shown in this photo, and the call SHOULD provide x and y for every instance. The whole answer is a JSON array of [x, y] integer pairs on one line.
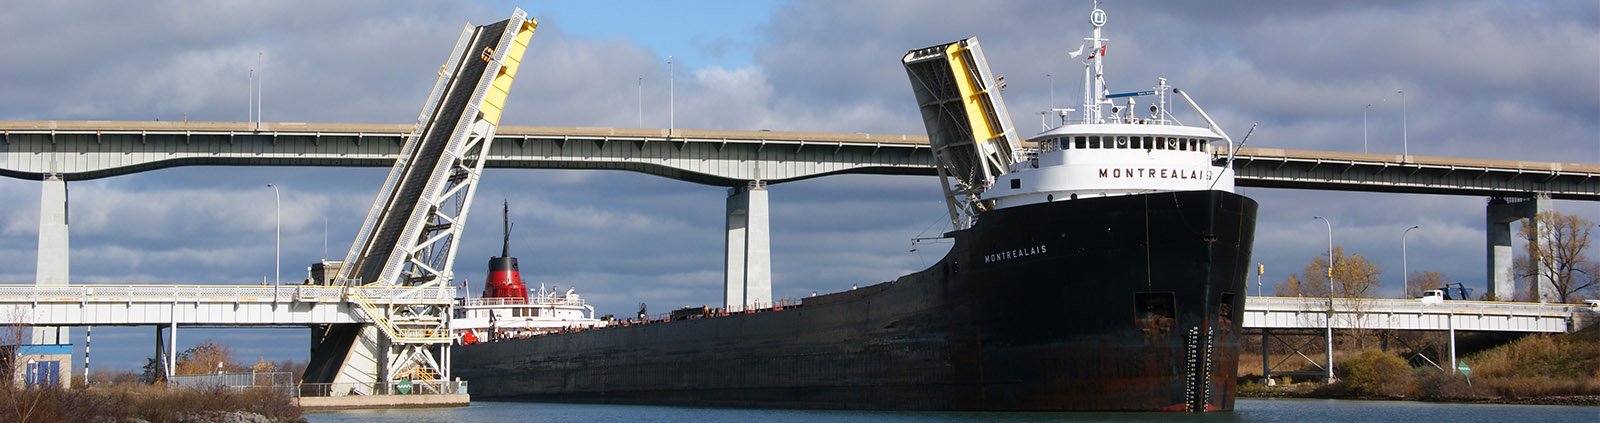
[[1482, 79]]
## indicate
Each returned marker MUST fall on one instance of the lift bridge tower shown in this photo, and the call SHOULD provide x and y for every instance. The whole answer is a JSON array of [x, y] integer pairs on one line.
[[399, 269]]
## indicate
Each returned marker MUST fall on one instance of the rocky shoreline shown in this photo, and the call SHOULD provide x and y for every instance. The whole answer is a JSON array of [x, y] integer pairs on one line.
[[1309, 392]]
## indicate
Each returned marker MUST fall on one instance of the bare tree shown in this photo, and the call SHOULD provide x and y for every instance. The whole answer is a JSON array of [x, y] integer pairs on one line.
[[207, 357], [1557, 245], [1423, 281], [1288, 288], [1353, 277]]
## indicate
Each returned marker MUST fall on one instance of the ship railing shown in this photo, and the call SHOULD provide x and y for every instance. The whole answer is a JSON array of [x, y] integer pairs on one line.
[[756, 307], [402, 387], [475, 302]]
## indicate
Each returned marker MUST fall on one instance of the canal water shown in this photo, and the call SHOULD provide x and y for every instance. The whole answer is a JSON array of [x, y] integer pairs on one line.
[[1248, 410]]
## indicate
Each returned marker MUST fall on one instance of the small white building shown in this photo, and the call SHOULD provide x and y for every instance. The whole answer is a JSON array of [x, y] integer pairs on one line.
[[40, 365]]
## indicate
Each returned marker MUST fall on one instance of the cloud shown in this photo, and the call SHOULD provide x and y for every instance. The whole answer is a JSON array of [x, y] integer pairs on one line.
[[1483, 79]]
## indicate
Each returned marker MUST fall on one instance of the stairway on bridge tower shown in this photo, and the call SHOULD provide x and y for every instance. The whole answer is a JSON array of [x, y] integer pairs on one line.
[[409, 235]]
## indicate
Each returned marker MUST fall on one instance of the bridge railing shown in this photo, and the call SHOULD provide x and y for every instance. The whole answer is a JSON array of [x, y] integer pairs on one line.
[[1414, 314], [1384, 305], [415, 387], [276, 381], [219, 293]]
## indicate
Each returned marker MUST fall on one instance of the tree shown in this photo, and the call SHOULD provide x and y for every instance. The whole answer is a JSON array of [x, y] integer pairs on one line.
[[207, 357], [1288, 288], [153, 370], [1423, 281], [1353, 277], [1556, 250]]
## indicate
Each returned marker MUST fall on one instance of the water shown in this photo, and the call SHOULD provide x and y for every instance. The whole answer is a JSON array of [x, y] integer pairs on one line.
[[1248, 410]]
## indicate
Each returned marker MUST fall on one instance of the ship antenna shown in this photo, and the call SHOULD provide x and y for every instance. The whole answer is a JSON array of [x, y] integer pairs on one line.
[[505, 245], [1093, 70]]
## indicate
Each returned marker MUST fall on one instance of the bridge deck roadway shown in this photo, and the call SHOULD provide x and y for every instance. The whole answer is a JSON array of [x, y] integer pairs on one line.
[[291, 305], [95, 149], [1411, 314], [202, 305]]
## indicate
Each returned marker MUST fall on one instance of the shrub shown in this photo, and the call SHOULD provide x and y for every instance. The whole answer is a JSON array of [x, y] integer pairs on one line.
[[1436, 385], [1570, 356], [1376, 373], [125, 402]]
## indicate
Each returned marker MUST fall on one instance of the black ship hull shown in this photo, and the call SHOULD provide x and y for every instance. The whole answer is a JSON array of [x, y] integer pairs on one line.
[[1118, 303]]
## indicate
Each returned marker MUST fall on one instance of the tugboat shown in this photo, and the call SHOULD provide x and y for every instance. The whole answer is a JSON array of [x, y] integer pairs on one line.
[[1099, 265], [506, 310]]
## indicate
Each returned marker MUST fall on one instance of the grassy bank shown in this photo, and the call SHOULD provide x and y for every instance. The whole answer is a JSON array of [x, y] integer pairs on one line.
[[135, 402], [1539, 369]]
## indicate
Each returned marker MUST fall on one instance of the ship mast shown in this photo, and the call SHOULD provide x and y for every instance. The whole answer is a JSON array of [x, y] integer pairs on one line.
[[505, 220], [1094, 78]]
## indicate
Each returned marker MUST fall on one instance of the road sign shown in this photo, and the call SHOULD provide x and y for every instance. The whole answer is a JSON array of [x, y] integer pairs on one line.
[[405, 386], [1465, 371]]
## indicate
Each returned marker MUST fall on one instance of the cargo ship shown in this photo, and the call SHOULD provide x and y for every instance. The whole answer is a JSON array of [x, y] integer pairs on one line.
[[1098, 265]]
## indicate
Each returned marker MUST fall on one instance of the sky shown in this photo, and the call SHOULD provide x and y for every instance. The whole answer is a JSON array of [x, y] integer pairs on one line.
[[1482, 79]]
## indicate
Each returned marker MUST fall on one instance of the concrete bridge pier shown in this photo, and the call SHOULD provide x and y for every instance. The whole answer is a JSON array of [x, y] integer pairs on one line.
[[748, 276], [48, 349], [53, 260], [1501, 211]]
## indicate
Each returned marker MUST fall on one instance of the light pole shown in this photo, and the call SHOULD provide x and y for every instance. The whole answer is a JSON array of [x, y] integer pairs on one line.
[[672, 97], [1405, 142], [641, 102], [1330, 296], [277, 266], [1364, 127], [258, 90], [1405, 271]]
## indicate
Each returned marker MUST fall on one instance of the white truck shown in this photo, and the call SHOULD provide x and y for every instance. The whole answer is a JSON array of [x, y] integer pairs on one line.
[[1432, 296]]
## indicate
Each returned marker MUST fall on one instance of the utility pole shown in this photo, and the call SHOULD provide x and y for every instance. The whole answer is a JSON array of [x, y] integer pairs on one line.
[[1330, 297], [1364, 127], [1405, 139], [672, 97]]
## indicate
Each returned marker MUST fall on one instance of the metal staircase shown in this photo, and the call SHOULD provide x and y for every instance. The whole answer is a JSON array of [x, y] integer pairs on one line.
[[968, 125], [405, 250]]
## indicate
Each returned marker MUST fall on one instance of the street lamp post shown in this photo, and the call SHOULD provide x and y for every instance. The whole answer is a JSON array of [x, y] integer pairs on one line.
[[1405, 271], [277, 266], [1330, 296], [1364, 127], [1405, 142], [672, 97]]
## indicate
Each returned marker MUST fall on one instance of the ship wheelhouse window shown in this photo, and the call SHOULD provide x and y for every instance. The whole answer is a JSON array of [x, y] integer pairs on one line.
[[1094, 142], [1080, 142], [1122, 142]]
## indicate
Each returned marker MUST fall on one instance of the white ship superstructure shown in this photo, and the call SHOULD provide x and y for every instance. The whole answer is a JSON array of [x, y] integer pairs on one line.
[[1124, 152], [543, 311]]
